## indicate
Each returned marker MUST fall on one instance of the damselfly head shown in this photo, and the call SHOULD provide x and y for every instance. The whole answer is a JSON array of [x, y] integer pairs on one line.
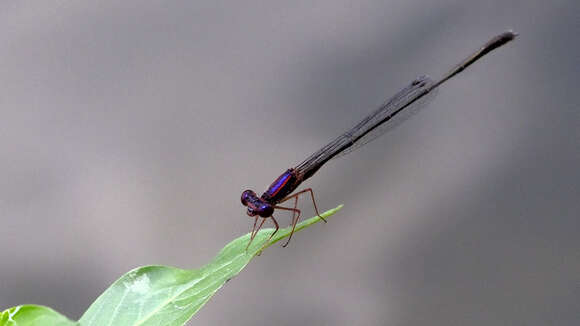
[[256, 205], [247, 196]]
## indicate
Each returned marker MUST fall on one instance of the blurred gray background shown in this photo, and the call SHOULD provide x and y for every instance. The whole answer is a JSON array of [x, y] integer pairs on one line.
[[130, 128]]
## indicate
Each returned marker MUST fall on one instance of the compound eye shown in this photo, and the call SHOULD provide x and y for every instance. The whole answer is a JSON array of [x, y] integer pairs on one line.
[[246, 196]]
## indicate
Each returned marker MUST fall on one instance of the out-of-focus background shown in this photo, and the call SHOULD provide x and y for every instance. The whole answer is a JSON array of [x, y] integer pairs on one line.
[[129, 130]]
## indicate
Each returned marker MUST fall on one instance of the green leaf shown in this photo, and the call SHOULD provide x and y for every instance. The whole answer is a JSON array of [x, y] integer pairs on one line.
[[25, 315], [162, 295]]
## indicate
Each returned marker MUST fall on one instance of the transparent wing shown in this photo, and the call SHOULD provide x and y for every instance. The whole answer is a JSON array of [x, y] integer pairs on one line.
[[411, 99], [393, 122]]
